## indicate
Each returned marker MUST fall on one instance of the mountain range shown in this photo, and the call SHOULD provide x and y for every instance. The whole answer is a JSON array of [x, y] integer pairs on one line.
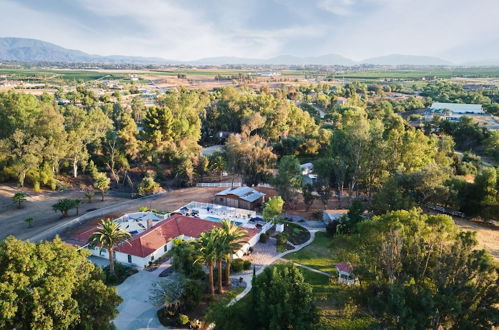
[[33, 50]]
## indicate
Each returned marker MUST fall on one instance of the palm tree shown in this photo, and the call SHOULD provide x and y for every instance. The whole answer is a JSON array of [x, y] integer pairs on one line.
[[107, 237], [207, 248], [234, 236], [221, 246]]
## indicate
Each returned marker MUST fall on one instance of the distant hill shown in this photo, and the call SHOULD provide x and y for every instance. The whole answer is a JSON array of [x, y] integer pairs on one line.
[[397, 59], [330, 59], [33, 50]]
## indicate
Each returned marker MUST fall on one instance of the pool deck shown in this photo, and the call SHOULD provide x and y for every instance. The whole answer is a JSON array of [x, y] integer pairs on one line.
[[214, 212]]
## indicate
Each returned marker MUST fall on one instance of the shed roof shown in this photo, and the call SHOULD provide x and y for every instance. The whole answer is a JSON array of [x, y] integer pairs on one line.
[[345, 267], [245, 193]]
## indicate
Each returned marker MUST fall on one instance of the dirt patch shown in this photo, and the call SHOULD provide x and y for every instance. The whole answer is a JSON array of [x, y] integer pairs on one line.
[[487, 236], [39, 207]]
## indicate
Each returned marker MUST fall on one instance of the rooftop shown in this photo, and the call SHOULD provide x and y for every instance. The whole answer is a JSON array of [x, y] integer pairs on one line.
[[457, 107], [245, 193], [145, 243]]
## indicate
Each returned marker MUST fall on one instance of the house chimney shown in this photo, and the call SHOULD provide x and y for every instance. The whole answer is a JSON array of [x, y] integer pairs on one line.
[[149, 223]]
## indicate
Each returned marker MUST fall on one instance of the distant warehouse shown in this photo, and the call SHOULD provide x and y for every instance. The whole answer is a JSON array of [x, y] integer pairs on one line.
[[453, 111], [457, 108]]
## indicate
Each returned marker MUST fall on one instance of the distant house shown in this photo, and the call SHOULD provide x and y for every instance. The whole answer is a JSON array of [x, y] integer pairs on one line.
[[208, 151], [332, 215], [240, 197], [458, 108], [453, 111], [345, 273], [307, 170], [341, 100]]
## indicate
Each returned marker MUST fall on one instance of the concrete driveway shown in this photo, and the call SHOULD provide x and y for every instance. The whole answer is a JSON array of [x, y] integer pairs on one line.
[[136, 312]]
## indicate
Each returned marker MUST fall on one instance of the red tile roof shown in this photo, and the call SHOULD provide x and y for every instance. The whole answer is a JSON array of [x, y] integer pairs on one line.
[[148, 241]]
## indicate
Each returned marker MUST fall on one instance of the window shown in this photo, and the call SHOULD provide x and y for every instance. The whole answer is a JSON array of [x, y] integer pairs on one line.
[[165, 248], [129, 259], [152, 258]]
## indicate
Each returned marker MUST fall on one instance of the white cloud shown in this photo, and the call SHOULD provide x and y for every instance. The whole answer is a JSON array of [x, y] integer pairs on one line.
[[183, 30]]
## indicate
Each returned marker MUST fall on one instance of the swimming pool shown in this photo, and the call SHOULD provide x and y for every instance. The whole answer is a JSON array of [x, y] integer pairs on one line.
[[218, 220]]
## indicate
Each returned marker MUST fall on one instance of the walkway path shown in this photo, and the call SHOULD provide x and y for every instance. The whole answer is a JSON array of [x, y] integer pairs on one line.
[[307, 267], [136, 312], [248, 276]]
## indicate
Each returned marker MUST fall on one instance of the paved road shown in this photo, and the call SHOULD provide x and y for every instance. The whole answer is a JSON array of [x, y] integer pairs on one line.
[[136, 312]]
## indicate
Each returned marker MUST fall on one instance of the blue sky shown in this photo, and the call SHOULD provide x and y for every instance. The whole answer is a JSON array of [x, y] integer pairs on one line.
[[191, 29]]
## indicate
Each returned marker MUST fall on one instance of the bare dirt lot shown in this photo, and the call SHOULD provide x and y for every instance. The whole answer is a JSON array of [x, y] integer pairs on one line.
[[487, 236], [39, 207]]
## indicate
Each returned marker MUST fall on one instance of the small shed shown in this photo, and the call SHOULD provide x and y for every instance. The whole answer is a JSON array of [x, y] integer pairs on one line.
[[240, 197], [332, 215], [345, 273]]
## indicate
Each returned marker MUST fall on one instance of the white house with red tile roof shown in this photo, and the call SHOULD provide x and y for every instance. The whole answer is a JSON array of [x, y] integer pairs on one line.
[[152, 243]]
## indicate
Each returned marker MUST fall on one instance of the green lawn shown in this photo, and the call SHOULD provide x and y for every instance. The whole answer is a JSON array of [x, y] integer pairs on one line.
[[319, 255], [330, 297]]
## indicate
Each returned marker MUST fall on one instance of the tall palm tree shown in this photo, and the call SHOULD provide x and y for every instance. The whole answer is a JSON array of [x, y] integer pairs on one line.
[[107, 237], [221, 246], [206, 244], [234, 236]]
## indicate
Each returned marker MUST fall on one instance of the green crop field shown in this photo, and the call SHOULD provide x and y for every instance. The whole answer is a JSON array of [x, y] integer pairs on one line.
[[52, 74]]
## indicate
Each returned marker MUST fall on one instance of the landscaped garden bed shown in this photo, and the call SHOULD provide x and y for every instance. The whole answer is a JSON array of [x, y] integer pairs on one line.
[[296, 234], [121, 273]]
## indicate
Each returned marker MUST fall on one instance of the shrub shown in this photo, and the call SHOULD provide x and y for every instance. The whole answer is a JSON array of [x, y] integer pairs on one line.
[[317, 215], [237, 266], [183, 319], [331, 227], [282, 239], [121, 273], [192, 294], [148, 186], [264, 237], [36, 186]]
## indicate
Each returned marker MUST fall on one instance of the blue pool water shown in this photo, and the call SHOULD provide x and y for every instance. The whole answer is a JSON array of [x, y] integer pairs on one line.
[[218, 220]]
